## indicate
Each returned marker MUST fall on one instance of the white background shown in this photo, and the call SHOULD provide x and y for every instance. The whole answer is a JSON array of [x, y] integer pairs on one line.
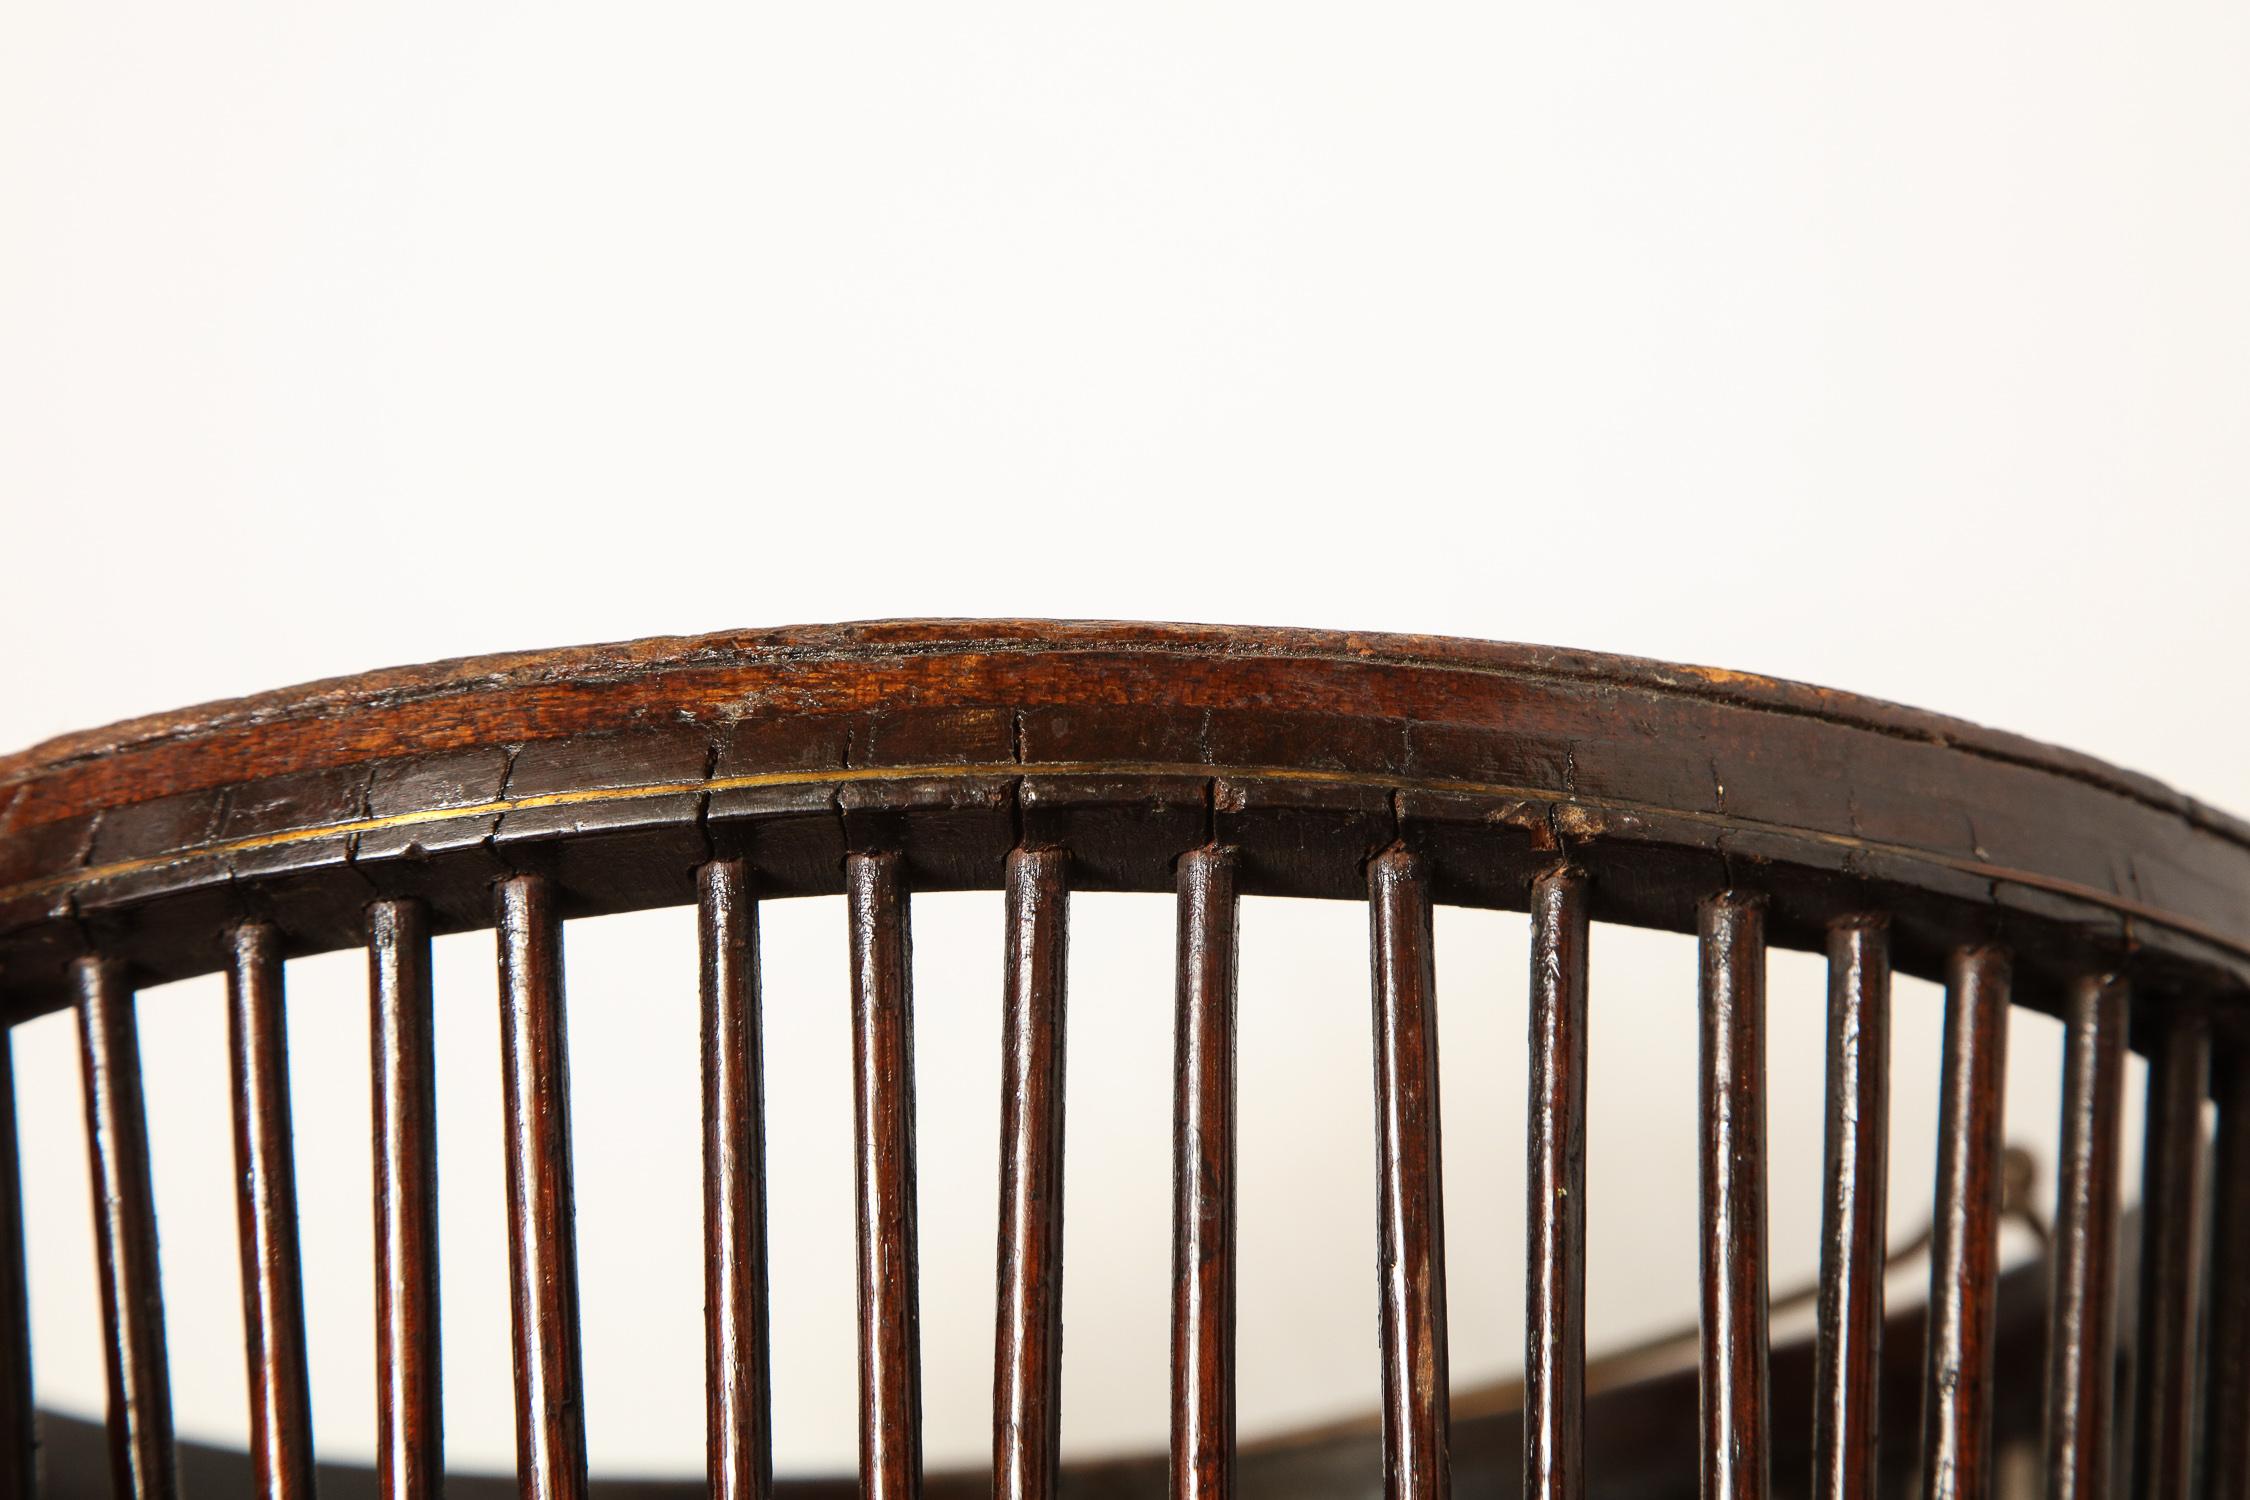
[[1906, 351]]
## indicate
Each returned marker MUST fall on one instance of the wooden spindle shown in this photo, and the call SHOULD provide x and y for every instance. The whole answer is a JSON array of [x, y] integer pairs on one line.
[[542, 1234], [1848, 1354], [18, 1437], [1734, 1400], [1204, 1181], [1203, 1167], [1027, 1358], [1416, 1464], [2082, 1321], [2171, 1260], [142, 1463], [410, 1427], [1554, 1359], [2226, 1390], [1965, 1233], [273, 1302], [890, 1354], [737, 1375]]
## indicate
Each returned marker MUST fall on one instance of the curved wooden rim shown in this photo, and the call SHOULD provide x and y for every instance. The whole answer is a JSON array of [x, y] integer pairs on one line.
[[515, 671], [1127, 743]]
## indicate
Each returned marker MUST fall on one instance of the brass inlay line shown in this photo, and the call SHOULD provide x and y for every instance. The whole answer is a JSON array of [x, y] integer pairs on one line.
[[2110, 900]]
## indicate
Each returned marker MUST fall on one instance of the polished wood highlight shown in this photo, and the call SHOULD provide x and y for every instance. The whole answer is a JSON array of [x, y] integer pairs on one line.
[[2172, 1249], [737, 1373], [542, 1233], [1202, 1456], [2081, 1332], [1554, 1358], [18, 1435], [1736, 1404], [1027, 1355], [1411, 1227], [1853, 1246], [273, 1299], [142, 1461], [890, 1336], [1957, 1393], [410, 1416]]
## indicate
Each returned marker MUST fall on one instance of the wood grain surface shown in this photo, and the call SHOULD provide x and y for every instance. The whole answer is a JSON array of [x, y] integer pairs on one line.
[[1046, 758], [617, 770]]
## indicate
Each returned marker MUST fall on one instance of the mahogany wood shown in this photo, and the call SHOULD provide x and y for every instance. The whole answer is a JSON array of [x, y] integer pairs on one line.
[[1736, 1403], [1853, 1243], [542, 1233], [1957, 1399], [2226, 1391], [1411, 1254], [1647, 1427], [1554, 1360], [515, 792], [2172, 1250], [890, 1340], [737, 1376], [1027, 1358], [614, 768], [18, 1437], [142, 1464], [1202, 1457], [273, 1303], [2081, 1341], [410, 1417]]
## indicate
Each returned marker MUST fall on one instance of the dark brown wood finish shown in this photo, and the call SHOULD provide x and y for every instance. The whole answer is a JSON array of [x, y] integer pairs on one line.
[[1554, 1359], [1202, 1462], [2226, 1389], [1027, 1358], [866, 759], [890, 1338], [542, 1233], [1736, 1403], [142, 1463], [273, 1300], [18, 1436], [1853, 1246], [1411, 1230], [2081, 1335], [1647, 1425], [403, 777], [1957, 1397], [2172, 1249], [737, 1374], [410, 1425]]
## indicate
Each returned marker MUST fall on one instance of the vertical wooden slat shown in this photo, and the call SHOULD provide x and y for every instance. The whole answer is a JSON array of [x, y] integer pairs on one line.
[[2171, 1260], [18, 1437], [1554, 1358], [273, 1302], [142, 1463], [542, 1234], [1848, 1354], [737, 1377], [2226, 1391], [410, 1429], [1965, 1234], [2081, 1326], [1027, 1357], [1416, 1464], [890, 1354], [1203, 1163], [1734, 1401]]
